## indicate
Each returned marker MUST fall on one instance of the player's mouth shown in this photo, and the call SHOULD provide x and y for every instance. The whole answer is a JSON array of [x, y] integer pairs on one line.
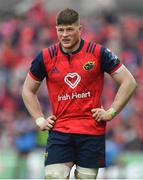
[[66, 41]]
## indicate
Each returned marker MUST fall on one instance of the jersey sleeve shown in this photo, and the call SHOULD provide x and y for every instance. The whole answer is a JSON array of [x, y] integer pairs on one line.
[[37, 69], [109, 61]]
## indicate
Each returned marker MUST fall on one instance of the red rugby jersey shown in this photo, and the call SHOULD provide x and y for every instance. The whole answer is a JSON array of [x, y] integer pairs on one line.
[[75, 83]]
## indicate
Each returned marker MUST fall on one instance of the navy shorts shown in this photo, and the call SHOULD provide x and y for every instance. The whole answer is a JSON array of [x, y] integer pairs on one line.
[[84, 150]]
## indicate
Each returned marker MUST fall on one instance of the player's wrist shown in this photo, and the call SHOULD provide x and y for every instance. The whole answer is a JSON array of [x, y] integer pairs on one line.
[[112, 112], [40, 121]]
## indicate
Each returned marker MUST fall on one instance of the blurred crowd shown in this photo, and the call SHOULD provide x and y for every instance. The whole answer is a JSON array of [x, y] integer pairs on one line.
[[23, 36]]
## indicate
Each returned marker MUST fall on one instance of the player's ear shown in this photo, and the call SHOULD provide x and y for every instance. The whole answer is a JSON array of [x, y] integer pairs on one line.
[[80, 28]]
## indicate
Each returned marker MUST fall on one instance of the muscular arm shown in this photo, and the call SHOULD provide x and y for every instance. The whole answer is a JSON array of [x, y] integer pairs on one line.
[[29, 95], [127, 86]]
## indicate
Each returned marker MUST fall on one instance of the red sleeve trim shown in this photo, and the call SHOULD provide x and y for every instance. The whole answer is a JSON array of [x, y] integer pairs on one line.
[[116, 68], [33, 77]]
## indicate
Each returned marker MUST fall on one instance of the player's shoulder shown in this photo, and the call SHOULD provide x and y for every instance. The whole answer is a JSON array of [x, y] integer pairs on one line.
[[51, 51], [93, 47], [106, 52]]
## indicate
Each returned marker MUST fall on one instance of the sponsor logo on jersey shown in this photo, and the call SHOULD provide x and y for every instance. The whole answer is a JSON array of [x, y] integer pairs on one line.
[[72, 79], [111, 54], [89, 65], [74, 95], [54, 70]]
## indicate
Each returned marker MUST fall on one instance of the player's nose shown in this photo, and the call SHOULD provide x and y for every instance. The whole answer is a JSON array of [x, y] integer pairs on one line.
[[65, 33]]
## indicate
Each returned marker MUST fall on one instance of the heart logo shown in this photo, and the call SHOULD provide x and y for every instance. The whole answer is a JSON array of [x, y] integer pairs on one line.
[[72, 79]]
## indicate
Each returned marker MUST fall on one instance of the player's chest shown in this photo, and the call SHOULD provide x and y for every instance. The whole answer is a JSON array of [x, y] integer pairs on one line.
[[74, 66]]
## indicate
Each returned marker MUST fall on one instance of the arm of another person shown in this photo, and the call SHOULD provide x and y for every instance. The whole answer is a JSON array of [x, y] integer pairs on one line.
[[29, 95], [127, 85]]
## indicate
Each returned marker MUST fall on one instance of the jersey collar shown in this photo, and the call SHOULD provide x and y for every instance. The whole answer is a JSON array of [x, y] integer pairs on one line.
[[74, 52]]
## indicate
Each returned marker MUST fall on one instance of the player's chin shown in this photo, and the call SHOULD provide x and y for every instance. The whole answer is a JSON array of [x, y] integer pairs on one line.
[[67, 45]]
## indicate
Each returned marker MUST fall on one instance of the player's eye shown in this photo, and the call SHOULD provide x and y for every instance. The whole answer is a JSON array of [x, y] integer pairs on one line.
[[60, 30], [70, 29]]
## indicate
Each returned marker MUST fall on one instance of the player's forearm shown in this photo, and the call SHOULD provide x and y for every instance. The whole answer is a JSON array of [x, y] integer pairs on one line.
[[123, 95], [32, 104]]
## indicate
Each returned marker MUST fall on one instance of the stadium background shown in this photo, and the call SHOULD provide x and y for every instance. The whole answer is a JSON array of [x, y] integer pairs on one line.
[[26, 27]]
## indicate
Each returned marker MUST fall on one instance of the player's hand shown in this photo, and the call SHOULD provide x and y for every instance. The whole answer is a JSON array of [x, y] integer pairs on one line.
[[101, 115], [48, 123]]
